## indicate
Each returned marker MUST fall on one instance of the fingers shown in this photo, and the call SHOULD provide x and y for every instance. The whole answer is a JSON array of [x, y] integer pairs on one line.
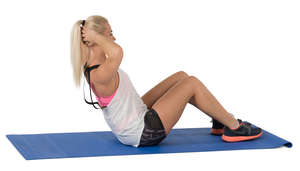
[[84, 29], [83, 34]]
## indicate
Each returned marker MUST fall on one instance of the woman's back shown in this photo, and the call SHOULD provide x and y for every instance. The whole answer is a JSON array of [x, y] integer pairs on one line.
[[125, 112], [99, 89]]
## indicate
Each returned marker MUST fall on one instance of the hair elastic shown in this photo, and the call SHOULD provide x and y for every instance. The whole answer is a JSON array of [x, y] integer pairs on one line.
[[83, 22]]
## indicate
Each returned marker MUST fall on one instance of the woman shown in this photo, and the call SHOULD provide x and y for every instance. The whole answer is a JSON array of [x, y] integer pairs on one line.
[[147, 120]]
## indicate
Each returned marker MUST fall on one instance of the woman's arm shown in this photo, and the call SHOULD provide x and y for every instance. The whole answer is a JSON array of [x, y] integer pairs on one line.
[[111, 49], [109, 68], [115, 55]]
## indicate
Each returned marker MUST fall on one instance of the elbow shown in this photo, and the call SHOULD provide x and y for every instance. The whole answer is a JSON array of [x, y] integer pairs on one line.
[[117, 52]]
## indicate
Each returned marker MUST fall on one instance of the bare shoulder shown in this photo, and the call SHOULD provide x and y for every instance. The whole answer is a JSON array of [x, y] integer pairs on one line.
[[108, 70]]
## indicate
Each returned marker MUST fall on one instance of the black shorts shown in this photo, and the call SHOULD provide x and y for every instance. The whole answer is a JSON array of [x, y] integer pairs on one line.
[[154, 131]]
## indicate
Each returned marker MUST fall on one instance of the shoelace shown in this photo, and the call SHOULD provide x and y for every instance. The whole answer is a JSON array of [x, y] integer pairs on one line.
[[246, 123]]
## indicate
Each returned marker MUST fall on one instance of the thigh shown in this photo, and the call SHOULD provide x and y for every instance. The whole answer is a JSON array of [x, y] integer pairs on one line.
[[171, 105], [157, 91]]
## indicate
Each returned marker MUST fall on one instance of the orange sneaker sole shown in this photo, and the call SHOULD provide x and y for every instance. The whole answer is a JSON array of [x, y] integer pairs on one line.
[[240, 138], [217, 131]]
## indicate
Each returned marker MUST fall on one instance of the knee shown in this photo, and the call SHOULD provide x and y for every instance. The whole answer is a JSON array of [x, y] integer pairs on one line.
[[192, 83], [182, 74], [194, 79]]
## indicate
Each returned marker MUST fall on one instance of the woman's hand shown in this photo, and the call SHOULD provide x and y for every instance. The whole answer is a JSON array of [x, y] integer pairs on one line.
[[88, 35]]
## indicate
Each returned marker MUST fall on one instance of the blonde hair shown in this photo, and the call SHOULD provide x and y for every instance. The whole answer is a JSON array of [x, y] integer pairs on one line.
[[96, 23]]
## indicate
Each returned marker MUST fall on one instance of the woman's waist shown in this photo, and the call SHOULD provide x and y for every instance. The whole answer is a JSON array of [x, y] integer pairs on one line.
[[124, 128], [121, 119]]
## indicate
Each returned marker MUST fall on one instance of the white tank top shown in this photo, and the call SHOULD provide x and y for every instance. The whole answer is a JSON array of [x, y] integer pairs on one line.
[[125, 112]]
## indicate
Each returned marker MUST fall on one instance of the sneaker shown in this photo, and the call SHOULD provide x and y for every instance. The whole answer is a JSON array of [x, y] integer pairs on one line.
[[217, 128], [243, 132]]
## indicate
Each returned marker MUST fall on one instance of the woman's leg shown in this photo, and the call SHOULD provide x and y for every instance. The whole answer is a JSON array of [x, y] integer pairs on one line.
[[160, 89], [170, 105]]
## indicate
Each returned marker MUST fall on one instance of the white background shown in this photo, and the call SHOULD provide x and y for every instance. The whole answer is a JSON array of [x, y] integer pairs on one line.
[[245, 52]]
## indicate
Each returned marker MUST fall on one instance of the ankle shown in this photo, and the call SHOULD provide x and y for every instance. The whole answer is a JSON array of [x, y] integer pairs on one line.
[[234, 125]]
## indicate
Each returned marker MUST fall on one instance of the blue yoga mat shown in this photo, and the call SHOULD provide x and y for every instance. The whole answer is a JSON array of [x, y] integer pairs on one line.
[[87, 144]]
